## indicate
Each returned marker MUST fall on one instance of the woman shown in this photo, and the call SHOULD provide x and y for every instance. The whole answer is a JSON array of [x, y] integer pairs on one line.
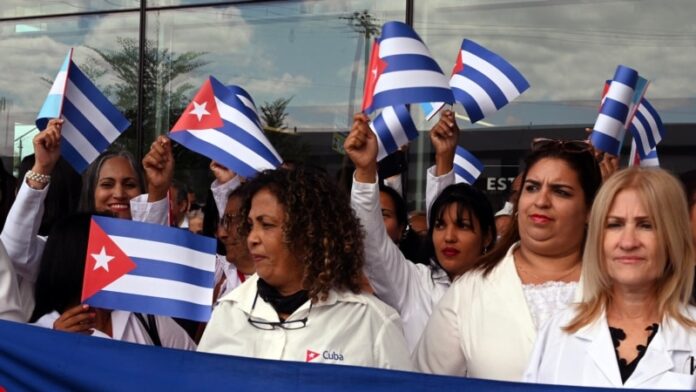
[[113, 184], [59, 288], [396, 223], [304, 303], [634, 327], [486, 324], [460, 229]]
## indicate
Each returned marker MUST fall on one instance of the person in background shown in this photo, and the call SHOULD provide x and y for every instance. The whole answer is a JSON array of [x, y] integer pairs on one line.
[[486, 324], [304, 303], [178, 204], [634, 327], [504, 216], [396, 223], [461, 228], [195, 219], [419, 223]]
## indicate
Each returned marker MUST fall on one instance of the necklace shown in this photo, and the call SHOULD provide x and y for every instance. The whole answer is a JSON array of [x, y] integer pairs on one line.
[[546, 276]]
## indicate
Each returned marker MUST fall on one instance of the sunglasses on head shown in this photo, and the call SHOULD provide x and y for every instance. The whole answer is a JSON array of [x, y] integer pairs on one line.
[[570, 146]]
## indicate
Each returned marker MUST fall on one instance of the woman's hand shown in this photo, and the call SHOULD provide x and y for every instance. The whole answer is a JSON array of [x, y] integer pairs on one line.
[[608, 163], [159, 168], [221, 173], [361, 147], [444, 136], [80, 319], [46, 150]]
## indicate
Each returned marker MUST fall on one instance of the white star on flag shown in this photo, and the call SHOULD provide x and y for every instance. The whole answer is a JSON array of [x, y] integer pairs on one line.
[[102, 259], [199, 110]]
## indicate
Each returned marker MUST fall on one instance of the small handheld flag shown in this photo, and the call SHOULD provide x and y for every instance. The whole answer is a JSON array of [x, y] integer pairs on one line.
[[224, 127], [646, 128], [609, 129], [402, 71], [467, 168], [393, 128], [91, 122], [147, 268]]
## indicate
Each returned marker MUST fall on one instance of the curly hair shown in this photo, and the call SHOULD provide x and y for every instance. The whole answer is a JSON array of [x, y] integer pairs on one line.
[[320, 227]]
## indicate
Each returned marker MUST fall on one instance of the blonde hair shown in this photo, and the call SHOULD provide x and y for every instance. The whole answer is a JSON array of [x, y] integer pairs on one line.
[[663, 198]]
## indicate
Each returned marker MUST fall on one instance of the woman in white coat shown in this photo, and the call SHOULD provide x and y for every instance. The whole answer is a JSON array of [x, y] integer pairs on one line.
[[634, 327]]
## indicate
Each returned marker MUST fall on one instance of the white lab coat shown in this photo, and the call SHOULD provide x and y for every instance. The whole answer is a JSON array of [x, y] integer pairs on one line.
[[481, 328], [10, 300], [587, 357], [345, 329], [412, 289]]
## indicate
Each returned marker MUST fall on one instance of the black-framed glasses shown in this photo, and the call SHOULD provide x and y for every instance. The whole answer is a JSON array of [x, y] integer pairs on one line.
[[570, 146], [228, 219], [271, 325]]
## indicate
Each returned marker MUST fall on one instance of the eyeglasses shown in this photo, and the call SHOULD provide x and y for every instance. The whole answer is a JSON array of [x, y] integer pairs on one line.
[[229, 219], [271, 325], [570, 146]]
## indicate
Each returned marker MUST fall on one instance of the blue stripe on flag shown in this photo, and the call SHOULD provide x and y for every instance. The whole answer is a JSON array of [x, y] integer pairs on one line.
[[384, 134], [605, 142], [406, 121], [639, 138], [97, 98], [492, 89], [73, 156], [626, 75], [50, 109], [214, 152], [84, 126], [237, 90], [172, 271], [503, 65], [407, 62], [157, 233], [615, 109], [248, 140], [395, 97], [468, 177], [473, 110], [398, 29], [461, 171], [151, 305]]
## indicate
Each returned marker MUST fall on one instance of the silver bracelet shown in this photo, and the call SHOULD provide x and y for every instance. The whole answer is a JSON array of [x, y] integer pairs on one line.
[[38, 177]]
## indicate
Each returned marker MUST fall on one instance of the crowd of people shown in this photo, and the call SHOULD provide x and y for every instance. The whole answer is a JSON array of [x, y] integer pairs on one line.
[[585, 277]]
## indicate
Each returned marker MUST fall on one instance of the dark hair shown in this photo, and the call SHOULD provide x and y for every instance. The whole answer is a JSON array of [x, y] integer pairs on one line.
[[182, 190], [59, 283], [320, 227], [468, 200], [399, 204], [688, 179], [91, 176], [589, 175]]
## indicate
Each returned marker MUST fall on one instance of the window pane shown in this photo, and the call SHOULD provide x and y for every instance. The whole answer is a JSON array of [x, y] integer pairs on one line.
[[23, 8], [305, 52], [33, 59]]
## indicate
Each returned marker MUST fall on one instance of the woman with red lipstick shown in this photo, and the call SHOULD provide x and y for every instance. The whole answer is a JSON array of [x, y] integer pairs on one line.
[[305, 301], [485, 325], [113, 184], [634, 327], [461, 228]]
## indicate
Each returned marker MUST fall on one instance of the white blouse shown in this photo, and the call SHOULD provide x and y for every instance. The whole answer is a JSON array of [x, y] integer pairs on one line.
[[546, 299]]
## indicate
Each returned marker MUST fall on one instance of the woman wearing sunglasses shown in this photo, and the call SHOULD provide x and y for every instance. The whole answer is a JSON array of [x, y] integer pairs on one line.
[[305, 302], [485, 325], [635, 327]]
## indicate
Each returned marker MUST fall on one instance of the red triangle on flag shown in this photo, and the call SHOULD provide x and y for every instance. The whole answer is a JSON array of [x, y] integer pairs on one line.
[[201, 113], [311, 355], [459, 65], [374, 70], [105, 262]]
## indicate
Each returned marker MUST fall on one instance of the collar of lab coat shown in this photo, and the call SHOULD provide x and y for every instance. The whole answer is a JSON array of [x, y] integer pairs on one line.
[[244, 297], [657, 359]]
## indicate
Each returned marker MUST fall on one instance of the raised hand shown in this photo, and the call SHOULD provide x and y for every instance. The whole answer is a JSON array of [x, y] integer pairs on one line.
[[221, 173], [159, 168], [444, 136], [361, 147], [47, 151], [80, 319]]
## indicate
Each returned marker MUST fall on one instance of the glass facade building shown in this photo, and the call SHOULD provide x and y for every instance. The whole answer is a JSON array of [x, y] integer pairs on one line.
[[150, 57]]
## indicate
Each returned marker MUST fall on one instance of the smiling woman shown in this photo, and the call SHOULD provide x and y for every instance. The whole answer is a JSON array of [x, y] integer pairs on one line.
[[305, 302], [638, 270]]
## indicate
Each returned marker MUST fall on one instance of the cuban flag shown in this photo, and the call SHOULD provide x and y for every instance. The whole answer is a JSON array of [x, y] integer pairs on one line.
[[147, 268], [650, 160], [467, 168], [402, 71], [393, 128], [610, 126], [646, 128], [90, 122], [222, 124], [483, 82]]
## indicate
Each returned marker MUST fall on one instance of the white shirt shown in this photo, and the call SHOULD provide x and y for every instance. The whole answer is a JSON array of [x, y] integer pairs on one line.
[[126, 327], [345, 329], [587, 357], [224, 268], [10, 299], [481, 328]]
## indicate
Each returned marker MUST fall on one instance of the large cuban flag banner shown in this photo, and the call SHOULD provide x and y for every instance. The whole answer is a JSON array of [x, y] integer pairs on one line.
[[402, 71], [222, 124], [91, 122], [147, 268], [467, 168]]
